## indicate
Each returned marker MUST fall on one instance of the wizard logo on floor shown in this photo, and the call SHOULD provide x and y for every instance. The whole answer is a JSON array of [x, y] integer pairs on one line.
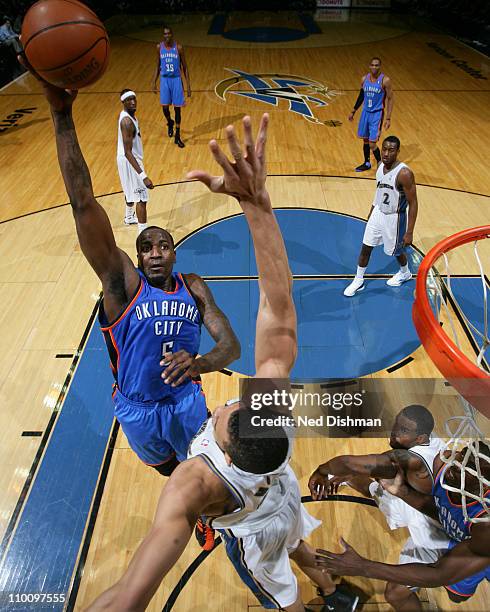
[[302, 94]]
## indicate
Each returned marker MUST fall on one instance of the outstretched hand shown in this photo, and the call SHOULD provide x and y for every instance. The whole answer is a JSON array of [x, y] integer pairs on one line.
[[59, 99], [244, 177], [322, 486], [348, 563]]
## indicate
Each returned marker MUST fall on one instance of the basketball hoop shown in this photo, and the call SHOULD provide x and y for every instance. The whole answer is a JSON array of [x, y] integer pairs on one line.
[[470, 378]]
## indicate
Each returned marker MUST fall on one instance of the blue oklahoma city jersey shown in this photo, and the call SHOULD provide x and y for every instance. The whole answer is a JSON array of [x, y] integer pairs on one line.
[[154, 323], [169, 61], [374, 94], [451, 515]]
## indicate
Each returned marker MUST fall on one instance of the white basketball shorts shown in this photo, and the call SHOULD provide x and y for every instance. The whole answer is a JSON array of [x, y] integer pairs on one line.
[[133, 187], [387, 230], [262, 559]]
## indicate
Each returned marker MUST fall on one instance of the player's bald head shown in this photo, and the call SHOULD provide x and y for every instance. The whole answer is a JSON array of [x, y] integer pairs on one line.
[[422, 418], [147, 233]]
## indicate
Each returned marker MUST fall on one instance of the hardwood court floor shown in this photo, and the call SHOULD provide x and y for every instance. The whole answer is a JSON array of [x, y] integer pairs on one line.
[[48, 290]]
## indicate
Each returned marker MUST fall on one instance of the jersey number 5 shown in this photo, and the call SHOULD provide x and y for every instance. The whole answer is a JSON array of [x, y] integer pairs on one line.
[[167, 347]]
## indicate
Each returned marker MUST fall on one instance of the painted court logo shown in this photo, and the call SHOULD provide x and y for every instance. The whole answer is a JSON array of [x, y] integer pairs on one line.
[[302, 94]]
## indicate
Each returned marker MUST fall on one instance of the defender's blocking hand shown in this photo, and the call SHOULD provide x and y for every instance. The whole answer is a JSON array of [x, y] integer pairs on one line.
[[244, 177]]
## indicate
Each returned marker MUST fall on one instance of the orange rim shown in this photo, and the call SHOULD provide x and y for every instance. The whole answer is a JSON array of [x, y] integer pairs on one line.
[[465, 376]]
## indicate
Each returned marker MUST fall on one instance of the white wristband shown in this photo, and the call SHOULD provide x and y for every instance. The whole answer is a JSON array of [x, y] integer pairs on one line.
[[142, 175]]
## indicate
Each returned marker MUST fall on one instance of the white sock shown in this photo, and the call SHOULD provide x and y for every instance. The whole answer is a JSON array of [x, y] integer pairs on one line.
[[360, 272], [141, 227], [404, 269], [129, 211]]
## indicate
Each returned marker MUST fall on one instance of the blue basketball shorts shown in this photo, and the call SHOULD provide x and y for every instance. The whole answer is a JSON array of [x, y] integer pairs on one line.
[[159, 431], [467, 586], [171, 91], [370, 125]]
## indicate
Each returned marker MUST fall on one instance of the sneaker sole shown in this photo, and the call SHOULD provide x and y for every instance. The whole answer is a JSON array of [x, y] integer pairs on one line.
[[398, 284], [361, 288]]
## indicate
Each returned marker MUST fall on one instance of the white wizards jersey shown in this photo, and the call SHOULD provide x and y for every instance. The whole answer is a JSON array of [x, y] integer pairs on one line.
[[428, 452], [424, 531], [259, 496], [137, 148], [390, 198]]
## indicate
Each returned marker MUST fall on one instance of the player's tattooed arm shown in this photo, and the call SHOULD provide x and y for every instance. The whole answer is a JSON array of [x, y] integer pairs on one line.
[[181, 365], [406, 180], [326, 478], [376, 466], [92, 223], [227, 348]]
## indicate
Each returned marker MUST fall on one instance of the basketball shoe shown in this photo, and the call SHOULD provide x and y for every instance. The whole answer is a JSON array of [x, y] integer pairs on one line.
[[204, 535], [340, 599], [131, 220], [178, 140], [399, 278], [363, 167], [356, 285]]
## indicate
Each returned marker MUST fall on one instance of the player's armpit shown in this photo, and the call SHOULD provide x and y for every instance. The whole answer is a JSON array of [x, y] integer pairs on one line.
[[120, 282]]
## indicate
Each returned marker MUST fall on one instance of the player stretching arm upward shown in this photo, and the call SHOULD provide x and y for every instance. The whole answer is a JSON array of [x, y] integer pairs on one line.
[[151, 316], [243, 484]]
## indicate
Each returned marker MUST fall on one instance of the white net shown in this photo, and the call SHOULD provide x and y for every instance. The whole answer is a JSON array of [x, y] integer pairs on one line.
[[468, 452], [467, 446]]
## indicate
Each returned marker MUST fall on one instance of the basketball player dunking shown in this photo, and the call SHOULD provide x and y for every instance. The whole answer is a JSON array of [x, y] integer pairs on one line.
[[388, 222], [466, 561], [239, 479], [170, 66], [134, 181], [151, 316], [375, 88]]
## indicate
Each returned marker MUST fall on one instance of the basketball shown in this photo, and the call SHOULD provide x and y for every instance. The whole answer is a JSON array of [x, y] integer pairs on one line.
[[65, 42]]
